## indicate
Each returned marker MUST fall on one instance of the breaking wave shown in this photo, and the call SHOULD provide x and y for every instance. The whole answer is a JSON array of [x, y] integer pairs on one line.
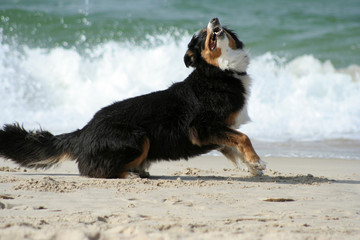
[[61, 89]]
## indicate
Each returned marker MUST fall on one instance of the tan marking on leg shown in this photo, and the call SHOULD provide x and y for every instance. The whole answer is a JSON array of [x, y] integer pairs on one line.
[[137, 161], [229, 153], [231, 119], [194, 137], [243, 149], [123, 174], [242, 143], [142, 157]]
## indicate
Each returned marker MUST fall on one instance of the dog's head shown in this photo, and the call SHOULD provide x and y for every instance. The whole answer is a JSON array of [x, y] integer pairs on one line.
[[218, 46]]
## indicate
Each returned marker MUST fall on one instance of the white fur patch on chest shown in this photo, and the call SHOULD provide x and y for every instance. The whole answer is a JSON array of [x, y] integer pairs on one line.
[[243, 116], [231, 59], [238, 61]]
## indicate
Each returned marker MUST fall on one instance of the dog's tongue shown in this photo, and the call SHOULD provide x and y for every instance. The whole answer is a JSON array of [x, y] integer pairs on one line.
[[212, 45]]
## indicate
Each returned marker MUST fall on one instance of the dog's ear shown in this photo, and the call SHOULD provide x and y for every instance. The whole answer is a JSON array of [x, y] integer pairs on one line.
[[189, 58]]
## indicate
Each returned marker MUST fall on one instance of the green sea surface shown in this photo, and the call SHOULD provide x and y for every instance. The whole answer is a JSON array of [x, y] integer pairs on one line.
[[328, 30]]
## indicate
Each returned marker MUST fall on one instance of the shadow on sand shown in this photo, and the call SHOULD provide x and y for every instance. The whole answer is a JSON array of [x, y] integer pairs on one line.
[[297, 179]]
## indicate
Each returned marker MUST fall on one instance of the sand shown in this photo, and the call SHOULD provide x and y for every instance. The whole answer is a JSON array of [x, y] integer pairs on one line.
[[203, 198]]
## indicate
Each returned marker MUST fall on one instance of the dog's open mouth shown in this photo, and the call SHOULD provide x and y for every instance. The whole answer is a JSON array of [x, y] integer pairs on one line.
[[214, 36]]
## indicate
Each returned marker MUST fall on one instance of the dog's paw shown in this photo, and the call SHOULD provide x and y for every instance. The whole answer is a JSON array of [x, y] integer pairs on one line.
[[256, 168], [140, 173], [144, 174]]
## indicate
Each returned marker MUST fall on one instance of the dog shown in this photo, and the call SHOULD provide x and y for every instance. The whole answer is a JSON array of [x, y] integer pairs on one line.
[[188, 119]]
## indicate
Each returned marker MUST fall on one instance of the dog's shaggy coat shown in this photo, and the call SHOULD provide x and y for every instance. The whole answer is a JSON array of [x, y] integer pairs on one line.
[[189, 118]]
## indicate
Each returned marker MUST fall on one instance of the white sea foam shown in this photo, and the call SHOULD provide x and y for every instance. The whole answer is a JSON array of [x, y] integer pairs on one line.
[[61, 89], [303, 99]]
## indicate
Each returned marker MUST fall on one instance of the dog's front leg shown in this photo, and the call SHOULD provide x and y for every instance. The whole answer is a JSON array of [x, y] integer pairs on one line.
[[229, 139], [234, 155]]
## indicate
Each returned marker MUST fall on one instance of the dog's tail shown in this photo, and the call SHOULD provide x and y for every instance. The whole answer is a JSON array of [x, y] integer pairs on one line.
[[36, 149]]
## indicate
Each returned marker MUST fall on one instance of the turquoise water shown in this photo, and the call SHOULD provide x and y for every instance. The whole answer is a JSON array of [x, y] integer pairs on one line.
[[61, 61], [326, 29]]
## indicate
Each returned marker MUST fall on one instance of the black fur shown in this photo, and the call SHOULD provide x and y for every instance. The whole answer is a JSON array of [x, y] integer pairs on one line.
[[116, 135], [30, 148]]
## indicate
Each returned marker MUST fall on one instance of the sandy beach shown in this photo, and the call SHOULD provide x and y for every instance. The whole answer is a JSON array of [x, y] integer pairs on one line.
[[203, 198]]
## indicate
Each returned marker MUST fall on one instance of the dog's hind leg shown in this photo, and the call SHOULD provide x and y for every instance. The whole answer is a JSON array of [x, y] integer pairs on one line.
[[112, 150], [141, 170], [114, 162], [138, 164]]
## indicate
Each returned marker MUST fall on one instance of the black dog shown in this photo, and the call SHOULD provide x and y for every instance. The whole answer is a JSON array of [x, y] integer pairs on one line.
[[188, 119]]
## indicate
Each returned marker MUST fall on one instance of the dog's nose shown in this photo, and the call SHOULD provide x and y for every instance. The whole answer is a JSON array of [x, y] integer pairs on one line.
[[214, 21]]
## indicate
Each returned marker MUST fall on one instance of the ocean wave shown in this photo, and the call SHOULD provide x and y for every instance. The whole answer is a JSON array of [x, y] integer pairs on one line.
[[61, 89], [303, 99]]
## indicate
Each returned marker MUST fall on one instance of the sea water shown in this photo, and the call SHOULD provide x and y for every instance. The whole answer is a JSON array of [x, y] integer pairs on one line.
[[61, 61]]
